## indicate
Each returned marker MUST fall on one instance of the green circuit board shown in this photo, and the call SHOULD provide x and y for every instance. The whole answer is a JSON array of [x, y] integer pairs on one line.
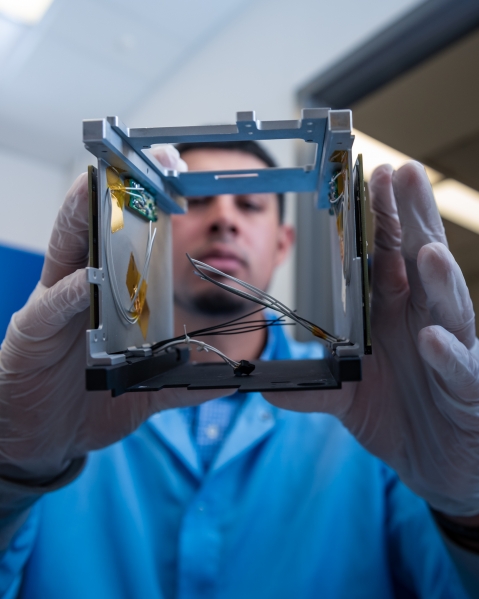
[[140, 200]]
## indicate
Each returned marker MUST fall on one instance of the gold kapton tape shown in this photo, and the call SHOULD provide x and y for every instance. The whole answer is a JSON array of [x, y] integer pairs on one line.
[[118, 197], [141, 308]]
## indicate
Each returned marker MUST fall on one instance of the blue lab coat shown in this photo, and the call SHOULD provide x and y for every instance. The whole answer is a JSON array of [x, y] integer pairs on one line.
[[292, 506]]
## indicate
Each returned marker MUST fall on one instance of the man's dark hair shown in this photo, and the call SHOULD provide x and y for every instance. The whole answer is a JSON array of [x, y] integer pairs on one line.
[[248, 147]]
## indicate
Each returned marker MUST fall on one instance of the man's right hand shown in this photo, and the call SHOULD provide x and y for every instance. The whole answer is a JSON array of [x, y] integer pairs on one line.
[[47, 417]]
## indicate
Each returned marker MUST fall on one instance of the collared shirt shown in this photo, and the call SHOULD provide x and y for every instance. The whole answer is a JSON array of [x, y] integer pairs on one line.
[[211, 421], [291, 506]]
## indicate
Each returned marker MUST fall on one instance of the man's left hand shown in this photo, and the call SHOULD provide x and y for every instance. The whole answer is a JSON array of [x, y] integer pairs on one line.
[[417, 407]]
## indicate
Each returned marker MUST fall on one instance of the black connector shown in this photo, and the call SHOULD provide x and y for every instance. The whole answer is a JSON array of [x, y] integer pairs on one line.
[[244, 368]]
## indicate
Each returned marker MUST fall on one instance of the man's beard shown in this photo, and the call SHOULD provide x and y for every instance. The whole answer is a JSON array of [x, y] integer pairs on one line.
[[215, 302]]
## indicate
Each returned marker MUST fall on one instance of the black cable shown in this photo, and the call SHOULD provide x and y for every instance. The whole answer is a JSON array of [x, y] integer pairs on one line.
[[245, 327]]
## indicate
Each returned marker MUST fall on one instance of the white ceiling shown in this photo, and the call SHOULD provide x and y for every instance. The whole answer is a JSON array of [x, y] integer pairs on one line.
[[92, 58]]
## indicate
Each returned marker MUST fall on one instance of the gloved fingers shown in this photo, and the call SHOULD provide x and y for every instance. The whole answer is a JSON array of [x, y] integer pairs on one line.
[[455, 365], [51, 310], [420, 221], [383, 205], [68, 247], [153, 402], [336, 403], [389, 274], [169, 157], [447, 295]]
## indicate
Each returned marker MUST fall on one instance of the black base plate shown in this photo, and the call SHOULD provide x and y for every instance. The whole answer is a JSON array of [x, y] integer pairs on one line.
[[173, 370]]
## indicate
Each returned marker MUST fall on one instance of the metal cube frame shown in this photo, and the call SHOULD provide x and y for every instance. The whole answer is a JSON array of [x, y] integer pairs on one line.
[[119, 358]]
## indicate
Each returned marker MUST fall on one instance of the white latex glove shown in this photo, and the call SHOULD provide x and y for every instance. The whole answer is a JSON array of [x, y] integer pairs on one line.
[[417, 407], [48, 420]]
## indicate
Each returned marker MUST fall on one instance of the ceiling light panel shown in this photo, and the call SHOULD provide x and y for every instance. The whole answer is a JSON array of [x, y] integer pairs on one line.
[[376, 153], [25, 11], [458, 203]]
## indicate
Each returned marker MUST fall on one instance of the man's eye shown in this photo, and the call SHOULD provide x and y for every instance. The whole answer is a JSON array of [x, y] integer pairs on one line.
[[197, 201], [250, 205]]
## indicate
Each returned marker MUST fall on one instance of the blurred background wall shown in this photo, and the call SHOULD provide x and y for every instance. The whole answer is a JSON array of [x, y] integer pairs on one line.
[[414, 92], [152, 63]]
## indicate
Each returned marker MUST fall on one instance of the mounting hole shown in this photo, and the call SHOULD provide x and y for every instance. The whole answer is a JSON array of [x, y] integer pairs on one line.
[[310, 130], [309, 124], [248, 126], [319, 382], [250, 133], [96, 338]]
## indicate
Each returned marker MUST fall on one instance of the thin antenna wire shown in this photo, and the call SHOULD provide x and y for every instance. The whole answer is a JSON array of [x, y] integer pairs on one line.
[[261, 298], [201, 346], [228, 328], [128, 314], [146, 268]]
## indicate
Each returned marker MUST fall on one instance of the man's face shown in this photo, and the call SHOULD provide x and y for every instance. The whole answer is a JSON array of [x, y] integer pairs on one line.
[[238, 234]]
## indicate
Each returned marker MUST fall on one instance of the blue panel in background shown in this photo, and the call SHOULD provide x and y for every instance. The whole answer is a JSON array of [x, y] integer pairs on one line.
[[19, 273]]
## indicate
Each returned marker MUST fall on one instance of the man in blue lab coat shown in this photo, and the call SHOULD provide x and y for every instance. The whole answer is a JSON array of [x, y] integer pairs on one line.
[[238, 497]]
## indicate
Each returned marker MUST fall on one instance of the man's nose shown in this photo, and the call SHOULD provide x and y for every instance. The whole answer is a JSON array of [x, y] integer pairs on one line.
[[223, 216]]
